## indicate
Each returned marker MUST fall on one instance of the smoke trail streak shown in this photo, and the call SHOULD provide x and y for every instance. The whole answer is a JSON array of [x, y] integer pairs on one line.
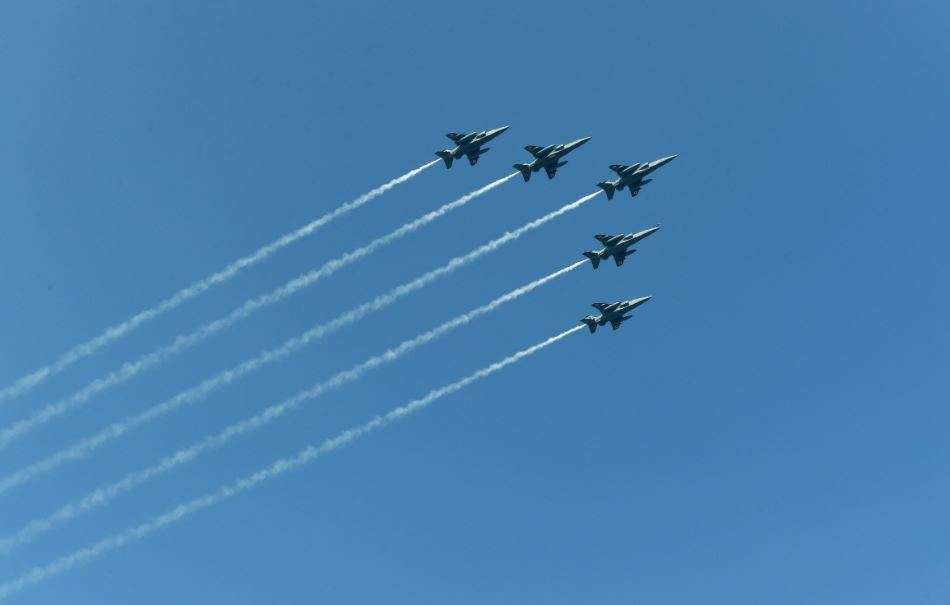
[[184, 341], [27, 382], [103, 495], [277, 468], [87, 445]]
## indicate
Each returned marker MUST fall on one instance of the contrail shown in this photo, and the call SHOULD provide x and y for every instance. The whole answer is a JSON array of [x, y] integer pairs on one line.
[[184, 341], [105, 494], [277, 468], [117, 331], [87, 445]]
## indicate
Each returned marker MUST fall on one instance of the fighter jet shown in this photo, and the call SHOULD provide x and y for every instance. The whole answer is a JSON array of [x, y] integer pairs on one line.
[[548, 158], [616, 246], [469, 145], [632, 176], [614, 313]]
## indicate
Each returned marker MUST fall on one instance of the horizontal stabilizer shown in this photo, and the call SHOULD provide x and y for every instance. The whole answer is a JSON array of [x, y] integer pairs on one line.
[[525, 171], [608, 188], [591, 323], [594, 258], [446, 156]]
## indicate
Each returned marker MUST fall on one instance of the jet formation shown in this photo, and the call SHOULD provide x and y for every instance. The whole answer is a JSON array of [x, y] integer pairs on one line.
[[550, 158]]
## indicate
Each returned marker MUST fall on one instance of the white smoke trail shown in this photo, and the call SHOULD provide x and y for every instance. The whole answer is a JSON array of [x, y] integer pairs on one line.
[[279, 467], [117, 331], [103, 495], [184, 341], [87, 445]]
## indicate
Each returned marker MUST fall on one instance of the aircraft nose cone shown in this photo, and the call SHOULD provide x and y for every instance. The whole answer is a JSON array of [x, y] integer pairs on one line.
[[580, 142], [639, 235], [666, 160], [501, 129], [636, 302]]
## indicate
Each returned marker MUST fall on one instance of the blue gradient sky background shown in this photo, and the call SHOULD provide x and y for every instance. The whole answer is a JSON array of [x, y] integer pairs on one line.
[[772, 427]]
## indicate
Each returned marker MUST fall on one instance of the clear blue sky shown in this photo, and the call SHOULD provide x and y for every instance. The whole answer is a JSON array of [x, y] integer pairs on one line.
[[771, 428]]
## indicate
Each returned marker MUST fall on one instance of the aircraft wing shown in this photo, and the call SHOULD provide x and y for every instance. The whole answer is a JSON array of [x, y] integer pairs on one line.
[[533, 150], [600, 306], [635, 189], [619, 257], [474, 154], [602, 238], [551, 169], [615, 323], [454, 136], [619, 168]]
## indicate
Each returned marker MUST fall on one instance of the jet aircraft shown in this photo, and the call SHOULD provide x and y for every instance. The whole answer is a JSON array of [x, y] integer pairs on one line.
[[469, 145], [548, 158], [617, 246], [631, 176], [613, 313]]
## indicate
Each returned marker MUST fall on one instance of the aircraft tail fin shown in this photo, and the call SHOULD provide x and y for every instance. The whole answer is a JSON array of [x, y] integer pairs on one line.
[[446, 156], [591, 322], [525, 171], [594, 258], [608, 188]]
